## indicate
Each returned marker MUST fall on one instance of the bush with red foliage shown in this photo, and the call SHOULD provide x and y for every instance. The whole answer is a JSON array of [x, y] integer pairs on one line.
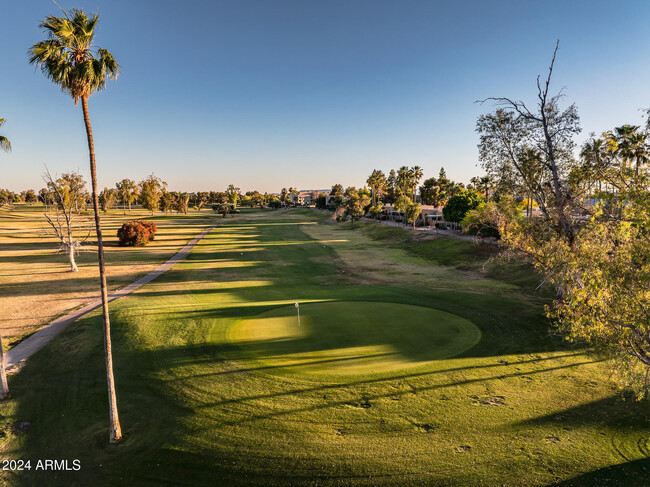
[[151, 226], [136, 233]]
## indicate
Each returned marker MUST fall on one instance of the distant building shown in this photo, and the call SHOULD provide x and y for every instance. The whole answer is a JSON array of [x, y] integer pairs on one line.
[[429, 214], [307, 197]]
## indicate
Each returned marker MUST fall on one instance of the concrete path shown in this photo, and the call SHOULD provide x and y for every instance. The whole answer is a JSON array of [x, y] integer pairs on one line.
[[15, 358]]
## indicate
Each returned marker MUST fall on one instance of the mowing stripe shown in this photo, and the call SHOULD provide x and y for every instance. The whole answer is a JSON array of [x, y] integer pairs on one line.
[[15, 357]]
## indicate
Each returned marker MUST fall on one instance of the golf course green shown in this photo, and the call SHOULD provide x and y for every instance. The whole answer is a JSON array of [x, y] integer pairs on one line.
[[353, 337], [418, 361]]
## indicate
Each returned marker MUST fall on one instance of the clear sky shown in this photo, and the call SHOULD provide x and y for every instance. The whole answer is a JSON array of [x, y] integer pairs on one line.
[[270, 94]]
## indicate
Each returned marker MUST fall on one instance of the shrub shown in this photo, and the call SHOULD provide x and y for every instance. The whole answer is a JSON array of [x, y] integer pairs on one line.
[[151, 226], [136, 233]]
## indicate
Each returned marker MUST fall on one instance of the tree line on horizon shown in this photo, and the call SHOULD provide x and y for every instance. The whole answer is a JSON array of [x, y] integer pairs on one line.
[[150, 193]]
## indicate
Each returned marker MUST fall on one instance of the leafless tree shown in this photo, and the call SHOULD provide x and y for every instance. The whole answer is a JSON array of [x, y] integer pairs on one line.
[[515, 132], [67, 221]]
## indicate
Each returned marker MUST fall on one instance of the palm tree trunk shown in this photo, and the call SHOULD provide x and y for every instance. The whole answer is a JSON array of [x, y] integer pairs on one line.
[[115, 428]]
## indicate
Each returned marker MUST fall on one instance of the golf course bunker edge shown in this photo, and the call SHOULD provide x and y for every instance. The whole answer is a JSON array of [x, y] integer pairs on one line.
[[352, 337]]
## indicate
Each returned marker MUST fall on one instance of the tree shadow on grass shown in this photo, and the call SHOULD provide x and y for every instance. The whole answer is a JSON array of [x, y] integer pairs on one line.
[[630, 474], [631, 413]]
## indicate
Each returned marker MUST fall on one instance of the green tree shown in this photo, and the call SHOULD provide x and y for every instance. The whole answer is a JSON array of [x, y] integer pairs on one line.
[[492, 218], [45, 196], [483, 185], [377, 183], [376, 210], [293, 193], [417, 173], [166, 201], [355, 204], [127, 191], [336, 196], [321, 201], [458, 206], [430, 192], [200, 199], [69, 58], [151, 190], [412, 213], [222, 208], [391, 187], [107, 199], [183, 202], [233, 195], [29, 196], [405, 178]]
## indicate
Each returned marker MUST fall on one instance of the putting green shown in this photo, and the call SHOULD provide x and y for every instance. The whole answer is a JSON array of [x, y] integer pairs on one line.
[[352, 337]]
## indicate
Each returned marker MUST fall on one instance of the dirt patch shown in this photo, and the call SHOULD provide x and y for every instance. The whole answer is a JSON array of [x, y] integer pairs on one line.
[[363, 403], [424, 427], [488, 401]]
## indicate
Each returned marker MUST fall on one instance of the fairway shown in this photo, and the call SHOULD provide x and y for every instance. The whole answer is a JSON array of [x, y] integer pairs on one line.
[[411, 366], [353, 337]]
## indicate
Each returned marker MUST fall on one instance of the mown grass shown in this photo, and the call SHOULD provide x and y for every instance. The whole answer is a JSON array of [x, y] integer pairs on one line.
[[36, 285], [518, 408]]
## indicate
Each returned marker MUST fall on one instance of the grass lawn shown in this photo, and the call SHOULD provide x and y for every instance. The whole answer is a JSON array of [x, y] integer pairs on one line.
[[413, 364], [36, 285]]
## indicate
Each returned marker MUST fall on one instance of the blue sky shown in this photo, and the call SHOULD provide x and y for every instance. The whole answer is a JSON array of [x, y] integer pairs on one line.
[[271, 94]]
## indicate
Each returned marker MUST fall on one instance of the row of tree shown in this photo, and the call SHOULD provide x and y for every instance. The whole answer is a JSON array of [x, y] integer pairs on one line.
[[151, 193]]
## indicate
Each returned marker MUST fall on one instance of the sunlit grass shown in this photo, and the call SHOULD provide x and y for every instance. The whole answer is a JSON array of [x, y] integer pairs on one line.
[[209, 393]]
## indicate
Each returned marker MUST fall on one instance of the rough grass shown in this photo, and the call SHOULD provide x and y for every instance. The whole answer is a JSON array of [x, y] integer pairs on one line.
[[197, 408], [481, 258]]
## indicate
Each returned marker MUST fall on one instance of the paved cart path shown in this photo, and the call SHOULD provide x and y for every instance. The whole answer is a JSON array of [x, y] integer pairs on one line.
[[15, 357]]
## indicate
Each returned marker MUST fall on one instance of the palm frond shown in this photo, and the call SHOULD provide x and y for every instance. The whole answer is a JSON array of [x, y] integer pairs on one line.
[[5, 145], [67, 56]]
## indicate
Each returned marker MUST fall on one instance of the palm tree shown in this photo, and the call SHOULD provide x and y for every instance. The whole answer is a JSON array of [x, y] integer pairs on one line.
[[417, 174], [69, 58], [594, 154], [631, 147], [377, 183], [5, 145], [4, 387]]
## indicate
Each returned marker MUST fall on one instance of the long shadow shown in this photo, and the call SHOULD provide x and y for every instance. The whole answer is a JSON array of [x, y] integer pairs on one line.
[[634, 414], [630, 474]]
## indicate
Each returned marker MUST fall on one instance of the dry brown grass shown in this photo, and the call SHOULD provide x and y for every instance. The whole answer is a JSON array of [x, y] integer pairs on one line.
[[36, 285]]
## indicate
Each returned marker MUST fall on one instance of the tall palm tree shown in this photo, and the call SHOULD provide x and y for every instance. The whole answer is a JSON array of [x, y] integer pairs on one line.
[[417, 174], [5, 145], [4, 387], [377, 183], [631, 147], [69, 58]]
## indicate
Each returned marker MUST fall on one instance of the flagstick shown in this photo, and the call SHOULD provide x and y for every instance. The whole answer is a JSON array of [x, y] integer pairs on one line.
[[298, 309]]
